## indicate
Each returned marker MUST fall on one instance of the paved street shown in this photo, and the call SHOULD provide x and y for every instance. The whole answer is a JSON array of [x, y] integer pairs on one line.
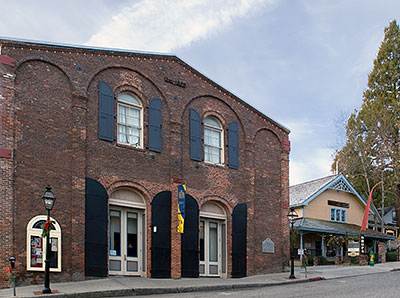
[[371, 286], [380, 280]]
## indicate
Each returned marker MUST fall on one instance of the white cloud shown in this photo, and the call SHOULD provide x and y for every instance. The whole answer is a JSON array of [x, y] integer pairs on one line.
[[166, 25], [315, 165], [303, 129], [53, 21]]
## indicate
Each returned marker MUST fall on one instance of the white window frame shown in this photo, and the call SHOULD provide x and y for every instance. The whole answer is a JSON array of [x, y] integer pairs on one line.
[[139, 107], [30, 231], [220, 130], [341, 212], [220, 219]]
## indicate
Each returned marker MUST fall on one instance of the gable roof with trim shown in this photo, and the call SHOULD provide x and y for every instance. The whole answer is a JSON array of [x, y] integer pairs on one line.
[[302, 194]]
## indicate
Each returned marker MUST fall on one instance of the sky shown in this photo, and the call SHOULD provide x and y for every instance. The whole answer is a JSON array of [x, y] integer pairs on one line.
[[303, 63]]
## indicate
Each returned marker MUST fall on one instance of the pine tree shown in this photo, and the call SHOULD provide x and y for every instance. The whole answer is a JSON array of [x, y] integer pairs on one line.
[[372, 150]]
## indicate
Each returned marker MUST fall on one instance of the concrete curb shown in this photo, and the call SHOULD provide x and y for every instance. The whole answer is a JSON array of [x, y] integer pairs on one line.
[[144, 291], [172, 290]]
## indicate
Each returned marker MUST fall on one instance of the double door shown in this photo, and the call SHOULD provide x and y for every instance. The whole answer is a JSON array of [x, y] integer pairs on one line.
[[126, 246]]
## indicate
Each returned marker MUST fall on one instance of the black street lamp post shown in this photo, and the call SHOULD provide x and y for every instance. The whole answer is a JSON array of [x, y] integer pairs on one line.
[[48, 200], [292, 215], [12, 263]]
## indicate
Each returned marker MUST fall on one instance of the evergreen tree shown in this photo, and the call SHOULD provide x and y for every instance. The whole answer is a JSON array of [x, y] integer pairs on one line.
[[372, 151]]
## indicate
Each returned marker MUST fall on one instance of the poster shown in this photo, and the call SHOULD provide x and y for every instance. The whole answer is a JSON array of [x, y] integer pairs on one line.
[[36, 251]]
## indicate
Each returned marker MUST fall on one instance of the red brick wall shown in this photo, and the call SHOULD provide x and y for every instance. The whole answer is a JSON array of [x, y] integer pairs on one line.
[[6, 165], [56, 112]]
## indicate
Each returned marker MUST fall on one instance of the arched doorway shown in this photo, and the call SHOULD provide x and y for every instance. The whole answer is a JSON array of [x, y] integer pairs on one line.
[[212, 240], [127, 233]]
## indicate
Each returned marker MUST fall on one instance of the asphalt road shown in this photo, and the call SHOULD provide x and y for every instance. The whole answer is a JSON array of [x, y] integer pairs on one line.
[[372, 286]]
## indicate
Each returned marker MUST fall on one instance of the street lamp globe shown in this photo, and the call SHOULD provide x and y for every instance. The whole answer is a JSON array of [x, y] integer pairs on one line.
[[48, 199], [292, 215]]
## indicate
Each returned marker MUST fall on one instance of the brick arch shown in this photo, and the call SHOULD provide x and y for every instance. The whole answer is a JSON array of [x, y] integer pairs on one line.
[[191, 101], [225, 204], [129, 184], [110, 187], [43, 116], [114, 74], [267, 153], [132, 89], [216, 115], [267, 216], [258, 131], [24, 61], [120, 68]]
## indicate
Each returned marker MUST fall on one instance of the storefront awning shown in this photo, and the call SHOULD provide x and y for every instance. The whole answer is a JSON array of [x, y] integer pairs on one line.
[[327, 227]]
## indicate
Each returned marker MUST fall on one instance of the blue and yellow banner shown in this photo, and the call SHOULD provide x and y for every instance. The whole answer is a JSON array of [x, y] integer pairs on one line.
[[181, 207]]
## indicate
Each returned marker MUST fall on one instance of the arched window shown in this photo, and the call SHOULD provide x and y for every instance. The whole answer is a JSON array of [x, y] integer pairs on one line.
[[36, 245], [213, 141], [130, 120]]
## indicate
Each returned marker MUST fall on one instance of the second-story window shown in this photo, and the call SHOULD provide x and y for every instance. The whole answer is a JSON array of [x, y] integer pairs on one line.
[[338, 215], [213, 141], [130, 120]]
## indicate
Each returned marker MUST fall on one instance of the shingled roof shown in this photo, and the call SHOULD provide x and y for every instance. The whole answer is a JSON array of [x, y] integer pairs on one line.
[[302, 194]]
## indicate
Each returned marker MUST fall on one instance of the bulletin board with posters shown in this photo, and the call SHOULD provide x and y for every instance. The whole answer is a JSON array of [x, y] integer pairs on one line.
[[36, 245], [36, 252]]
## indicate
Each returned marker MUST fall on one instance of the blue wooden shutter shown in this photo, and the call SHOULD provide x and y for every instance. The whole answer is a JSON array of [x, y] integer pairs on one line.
[[239, 240], [195, 135], [190, 239], [106, 112], [161, 235], [96, 224], [155, 125], [233, 145]]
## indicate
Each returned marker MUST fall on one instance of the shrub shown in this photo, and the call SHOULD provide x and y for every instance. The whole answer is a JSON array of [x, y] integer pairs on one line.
[[322, 260], [391, 256], [354, 260]]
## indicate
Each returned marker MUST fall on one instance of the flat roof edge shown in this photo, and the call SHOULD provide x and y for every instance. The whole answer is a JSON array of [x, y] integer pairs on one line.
[[84, 47]]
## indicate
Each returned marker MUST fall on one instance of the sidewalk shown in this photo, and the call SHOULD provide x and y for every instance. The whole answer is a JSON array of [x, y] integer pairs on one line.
[[131, 286]]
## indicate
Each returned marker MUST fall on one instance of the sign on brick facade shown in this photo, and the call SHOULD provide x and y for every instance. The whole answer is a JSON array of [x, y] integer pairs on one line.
[[268, 246]]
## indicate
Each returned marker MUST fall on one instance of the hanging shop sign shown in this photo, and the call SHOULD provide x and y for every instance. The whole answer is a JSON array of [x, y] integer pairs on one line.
[[362, 244]]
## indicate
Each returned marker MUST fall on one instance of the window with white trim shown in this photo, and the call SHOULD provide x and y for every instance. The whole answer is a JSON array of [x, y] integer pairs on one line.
[[338, 215], [36, 245], [213, 141], [130, 120]]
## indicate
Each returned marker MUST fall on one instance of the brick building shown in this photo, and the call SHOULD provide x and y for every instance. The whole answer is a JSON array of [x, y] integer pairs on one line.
[[114, 133]]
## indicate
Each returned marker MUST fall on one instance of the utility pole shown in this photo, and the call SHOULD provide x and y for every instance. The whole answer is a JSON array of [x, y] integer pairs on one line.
[[383, 206]]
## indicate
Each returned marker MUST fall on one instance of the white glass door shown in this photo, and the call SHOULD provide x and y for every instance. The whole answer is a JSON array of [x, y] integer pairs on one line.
[[126, 253], [211, 247]]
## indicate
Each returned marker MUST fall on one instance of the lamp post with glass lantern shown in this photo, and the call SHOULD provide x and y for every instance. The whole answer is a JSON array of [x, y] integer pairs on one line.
[[48, 200], [292, 215]]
